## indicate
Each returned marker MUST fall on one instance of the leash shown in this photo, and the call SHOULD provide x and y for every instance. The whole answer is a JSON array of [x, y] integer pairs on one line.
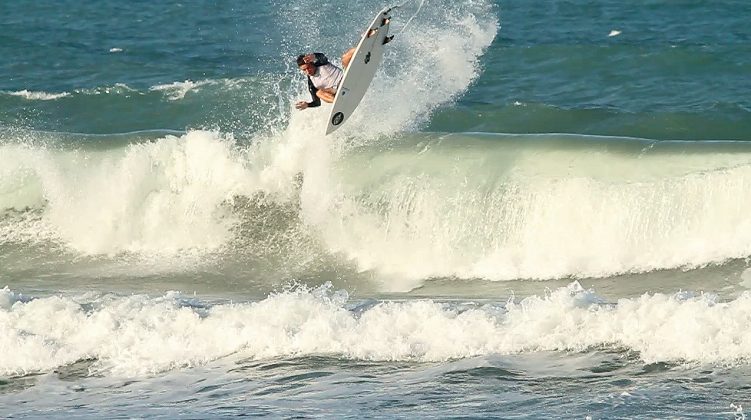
[[410, 19]]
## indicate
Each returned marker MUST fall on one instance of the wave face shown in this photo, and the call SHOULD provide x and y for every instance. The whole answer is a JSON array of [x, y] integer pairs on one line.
[[260, 186], [217, 164], [542, 207], [429, 205]]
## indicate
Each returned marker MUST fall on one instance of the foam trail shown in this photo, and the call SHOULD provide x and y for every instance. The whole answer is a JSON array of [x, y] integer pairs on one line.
[[138, 335]]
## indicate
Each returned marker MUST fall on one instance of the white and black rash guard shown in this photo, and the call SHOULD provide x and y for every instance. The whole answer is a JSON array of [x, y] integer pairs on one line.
[[327, 76]]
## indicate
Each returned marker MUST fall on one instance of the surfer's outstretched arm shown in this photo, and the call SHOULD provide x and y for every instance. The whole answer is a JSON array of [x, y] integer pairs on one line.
[[314, 95]]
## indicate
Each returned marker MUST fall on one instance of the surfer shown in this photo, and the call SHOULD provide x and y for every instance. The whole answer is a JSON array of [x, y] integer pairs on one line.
[[323, 77]]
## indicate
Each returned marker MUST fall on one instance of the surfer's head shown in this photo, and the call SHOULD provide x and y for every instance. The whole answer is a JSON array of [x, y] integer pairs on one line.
[[307, 68]]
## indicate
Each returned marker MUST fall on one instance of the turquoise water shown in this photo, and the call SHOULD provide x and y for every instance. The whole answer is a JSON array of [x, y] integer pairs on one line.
[[539, 210]]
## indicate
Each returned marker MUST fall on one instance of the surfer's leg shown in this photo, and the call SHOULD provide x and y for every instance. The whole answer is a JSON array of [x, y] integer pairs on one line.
[[326, 95], [347, 57]]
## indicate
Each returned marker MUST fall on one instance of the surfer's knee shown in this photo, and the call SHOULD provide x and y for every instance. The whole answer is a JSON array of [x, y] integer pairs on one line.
[[347, 57]]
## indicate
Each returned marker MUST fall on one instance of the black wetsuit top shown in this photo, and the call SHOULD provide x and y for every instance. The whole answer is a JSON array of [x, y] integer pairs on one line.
[[321, 60]]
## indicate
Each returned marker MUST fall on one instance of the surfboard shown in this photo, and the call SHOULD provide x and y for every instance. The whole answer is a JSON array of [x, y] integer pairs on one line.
[[360, 72]]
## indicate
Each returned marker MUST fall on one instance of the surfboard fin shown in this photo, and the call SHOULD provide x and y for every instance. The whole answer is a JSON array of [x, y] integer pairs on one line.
[[387, 39]]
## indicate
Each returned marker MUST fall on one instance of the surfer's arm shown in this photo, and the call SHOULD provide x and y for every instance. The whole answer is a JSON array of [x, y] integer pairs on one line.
[[313, 90], [315, 102]]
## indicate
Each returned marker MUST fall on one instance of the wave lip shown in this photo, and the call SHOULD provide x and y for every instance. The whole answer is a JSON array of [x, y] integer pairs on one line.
[[38, 96], [177, 90]]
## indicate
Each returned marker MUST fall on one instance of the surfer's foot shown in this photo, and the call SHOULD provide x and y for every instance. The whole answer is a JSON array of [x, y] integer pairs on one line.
[[387, 39], [371, 32]]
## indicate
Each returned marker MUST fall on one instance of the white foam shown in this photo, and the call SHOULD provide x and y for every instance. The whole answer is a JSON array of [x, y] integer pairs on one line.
[[138, 335], [19, 186], [429, 64], [473, 209], [116, 50], [177, 90], [737, 410], [746, 278], [496, 213], [39, 96], [117, 88], [614, 32], [159, 197]]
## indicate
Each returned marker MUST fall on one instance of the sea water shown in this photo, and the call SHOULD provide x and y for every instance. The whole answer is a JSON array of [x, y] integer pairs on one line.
[[540, 209]]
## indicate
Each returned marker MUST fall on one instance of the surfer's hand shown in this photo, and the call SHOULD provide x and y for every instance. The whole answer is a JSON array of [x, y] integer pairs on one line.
[[301, 105]]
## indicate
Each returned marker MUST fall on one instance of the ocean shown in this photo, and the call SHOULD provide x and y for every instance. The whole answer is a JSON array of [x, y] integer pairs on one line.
[[539, 210]]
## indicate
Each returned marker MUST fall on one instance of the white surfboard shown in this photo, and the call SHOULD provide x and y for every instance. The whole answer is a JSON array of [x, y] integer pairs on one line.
[[360, 72]]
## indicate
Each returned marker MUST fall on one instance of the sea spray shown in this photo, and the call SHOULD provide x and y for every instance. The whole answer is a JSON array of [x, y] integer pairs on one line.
[[157, 196], [503, 208], [430, 205]]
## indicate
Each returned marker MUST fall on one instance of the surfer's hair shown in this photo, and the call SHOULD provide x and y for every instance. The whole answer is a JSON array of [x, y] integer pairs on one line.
[[300, 60]]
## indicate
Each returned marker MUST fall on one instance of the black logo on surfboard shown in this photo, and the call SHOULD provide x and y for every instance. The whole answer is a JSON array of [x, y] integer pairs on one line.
[[337, 118], [367, 57]]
